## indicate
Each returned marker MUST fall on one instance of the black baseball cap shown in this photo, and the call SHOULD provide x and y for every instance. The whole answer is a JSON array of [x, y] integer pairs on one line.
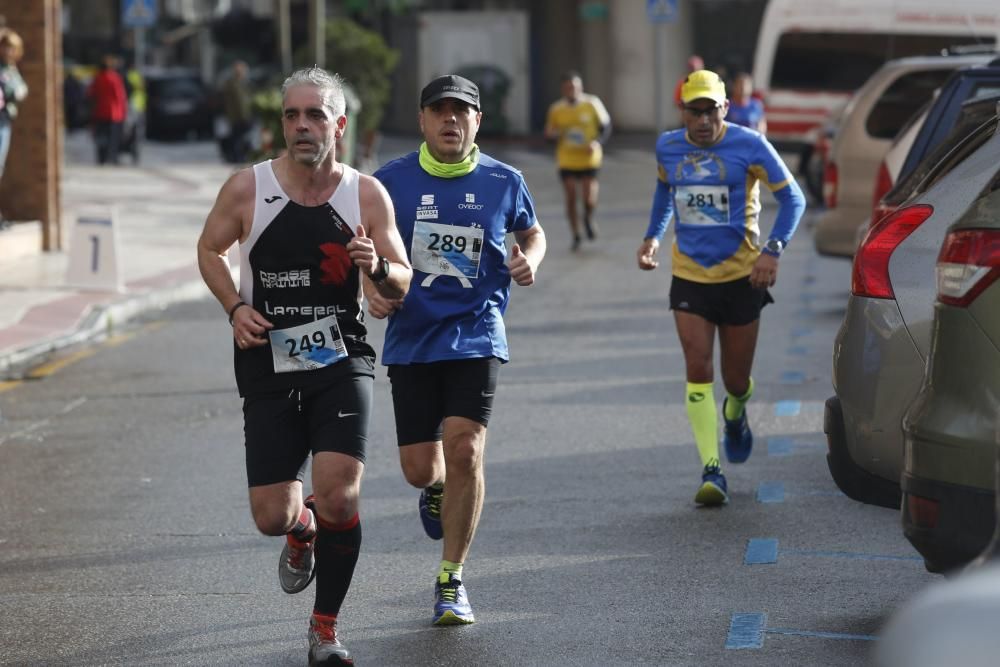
[[450, 85]]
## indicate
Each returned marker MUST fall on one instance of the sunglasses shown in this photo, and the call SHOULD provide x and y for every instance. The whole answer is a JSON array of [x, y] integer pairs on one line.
[[707, 111]]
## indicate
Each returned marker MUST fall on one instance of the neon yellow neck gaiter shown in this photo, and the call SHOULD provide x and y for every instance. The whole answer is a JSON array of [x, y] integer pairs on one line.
[[447, 169]]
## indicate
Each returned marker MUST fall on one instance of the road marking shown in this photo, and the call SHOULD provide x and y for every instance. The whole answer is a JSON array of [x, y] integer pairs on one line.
[[764, 551], [787, 408], [747, 630], [779, 446], [7, 385], [798, 350], [771, 492], [51, 367], [792, 377]]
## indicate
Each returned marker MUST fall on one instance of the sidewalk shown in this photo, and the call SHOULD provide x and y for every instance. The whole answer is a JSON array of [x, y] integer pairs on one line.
[[161, 206]]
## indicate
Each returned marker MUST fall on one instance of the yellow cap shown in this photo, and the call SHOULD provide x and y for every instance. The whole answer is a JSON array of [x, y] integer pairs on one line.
[[703, 84]]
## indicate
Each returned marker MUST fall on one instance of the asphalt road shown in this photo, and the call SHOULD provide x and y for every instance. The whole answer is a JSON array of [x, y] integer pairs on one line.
[[125, 536]]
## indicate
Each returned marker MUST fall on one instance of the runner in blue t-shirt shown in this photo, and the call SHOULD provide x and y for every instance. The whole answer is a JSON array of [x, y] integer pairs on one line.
[[710, 173], [445, 341], [744, 108]]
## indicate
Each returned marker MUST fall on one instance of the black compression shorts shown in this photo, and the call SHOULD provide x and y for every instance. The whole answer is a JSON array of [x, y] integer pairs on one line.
[[731, 303], [281, 430], [577, 173], [424, 394]]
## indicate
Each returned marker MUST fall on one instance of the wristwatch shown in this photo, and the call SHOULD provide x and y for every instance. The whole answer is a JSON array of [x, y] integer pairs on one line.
[[382, 272], [774, 247]]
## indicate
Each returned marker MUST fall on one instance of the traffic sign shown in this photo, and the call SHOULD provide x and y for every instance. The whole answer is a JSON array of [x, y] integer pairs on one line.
[[138, 13], [661, 11]]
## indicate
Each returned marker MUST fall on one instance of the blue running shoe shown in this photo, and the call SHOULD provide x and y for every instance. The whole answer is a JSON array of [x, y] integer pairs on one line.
[[430, 512], [736, 438], [452, 604], [713, 487]]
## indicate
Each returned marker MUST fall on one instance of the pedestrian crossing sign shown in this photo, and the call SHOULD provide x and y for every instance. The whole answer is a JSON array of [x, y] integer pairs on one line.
[[138, 13], [661, 11]]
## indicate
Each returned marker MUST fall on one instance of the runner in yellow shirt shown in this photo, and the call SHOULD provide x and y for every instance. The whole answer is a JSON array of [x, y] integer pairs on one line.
[[579, 123]]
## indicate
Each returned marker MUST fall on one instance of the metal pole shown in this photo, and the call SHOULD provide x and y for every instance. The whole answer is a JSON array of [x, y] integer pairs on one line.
[[285, 35], [317, 9], [139, 41], [659, 58]]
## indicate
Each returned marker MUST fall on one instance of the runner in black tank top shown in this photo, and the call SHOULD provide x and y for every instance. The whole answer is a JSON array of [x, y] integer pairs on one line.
[[307, 226]]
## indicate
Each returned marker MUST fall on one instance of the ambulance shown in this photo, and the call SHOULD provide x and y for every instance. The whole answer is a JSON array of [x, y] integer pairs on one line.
[[812, 55]]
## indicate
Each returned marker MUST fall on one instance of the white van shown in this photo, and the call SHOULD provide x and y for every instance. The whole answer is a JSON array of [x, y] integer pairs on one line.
[[813, 54]]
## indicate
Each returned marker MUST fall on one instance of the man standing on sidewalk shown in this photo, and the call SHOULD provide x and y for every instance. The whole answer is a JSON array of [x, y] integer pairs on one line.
[[445, 342], [308, 226]]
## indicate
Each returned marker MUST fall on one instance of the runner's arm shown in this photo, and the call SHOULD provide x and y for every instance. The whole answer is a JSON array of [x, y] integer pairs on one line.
[[378, 218]]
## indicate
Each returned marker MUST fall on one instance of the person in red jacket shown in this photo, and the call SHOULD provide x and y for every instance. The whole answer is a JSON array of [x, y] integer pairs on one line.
[[109, 106]]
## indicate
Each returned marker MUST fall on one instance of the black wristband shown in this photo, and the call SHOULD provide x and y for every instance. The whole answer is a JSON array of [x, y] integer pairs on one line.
[[379, 276], [232, 310]]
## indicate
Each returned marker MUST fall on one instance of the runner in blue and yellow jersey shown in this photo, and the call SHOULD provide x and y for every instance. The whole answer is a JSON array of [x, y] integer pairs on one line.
[[579, 124], [710, 173], [445, 341]]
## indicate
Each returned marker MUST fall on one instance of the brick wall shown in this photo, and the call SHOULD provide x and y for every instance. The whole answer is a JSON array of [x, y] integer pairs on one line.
[[30, 186]]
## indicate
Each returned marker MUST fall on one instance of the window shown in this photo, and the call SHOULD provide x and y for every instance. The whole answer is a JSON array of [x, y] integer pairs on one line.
[[897, 103], [844, 61]]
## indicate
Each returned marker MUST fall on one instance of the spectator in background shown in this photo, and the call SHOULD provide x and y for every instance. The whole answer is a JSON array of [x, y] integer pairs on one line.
[[109, 107], [12, 90], [239, 114], [694, 63], [744, 108], [134, 128]]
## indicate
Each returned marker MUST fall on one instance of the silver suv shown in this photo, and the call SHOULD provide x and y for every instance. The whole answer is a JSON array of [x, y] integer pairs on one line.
[[872, 118]]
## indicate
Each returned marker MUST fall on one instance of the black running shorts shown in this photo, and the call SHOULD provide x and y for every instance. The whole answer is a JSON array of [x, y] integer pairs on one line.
[[424, 394], [731, 303], [577, 173], [281, 430]]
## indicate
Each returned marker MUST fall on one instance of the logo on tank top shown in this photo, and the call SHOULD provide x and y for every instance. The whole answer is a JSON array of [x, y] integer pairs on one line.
[[337, 265], [271, 200]]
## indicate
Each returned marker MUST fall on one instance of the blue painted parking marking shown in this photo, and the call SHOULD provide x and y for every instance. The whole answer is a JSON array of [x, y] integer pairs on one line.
[[798, 350], [764, 551], [761, 551], [779, 446], [849, 554], [771, 492], [798, 332], [775, 492], [792, 377], [787, 408], [746, 631]]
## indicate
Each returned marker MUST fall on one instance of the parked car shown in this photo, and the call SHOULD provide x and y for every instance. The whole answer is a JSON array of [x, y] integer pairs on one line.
[[873, 117], [178, 105], [946, 112], [880, 349], [951, 429]]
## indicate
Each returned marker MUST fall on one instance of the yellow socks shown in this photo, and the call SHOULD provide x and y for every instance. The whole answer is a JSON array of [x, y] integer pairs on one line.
[[704, 421], [448, 570], [734, 404]]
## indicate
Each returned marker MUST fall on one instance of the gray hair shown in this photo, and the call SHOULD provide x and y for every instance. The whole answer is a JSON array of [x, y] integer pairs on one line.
[[331, 87]]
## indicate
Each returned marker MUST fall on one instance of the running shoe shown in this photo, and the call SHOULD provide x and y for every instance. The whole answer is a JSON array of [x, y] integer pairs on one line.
[[591, 229], [296, 563], [452, 604], [324, 647], [713, 487], [430, 512], [576, 243], [737, 439]]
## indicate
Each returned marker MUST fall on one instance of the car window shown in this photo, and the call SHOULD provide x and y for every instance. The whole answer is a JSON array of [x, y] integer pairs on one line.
[[972, 115], [185, 88], [896, 104], [986, 89], [835, 61], [966, 144]]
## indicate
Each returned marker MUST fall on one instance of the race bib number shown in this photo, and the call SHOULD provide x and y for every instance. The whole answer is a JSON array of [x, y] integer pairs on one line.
[[702, 204], [576, 137], [447, 250], [308, 346]]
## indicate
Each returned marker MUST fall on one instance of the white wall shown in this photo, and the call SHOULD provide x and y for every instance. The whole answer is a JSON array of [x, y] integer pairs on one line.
[[633, 106]]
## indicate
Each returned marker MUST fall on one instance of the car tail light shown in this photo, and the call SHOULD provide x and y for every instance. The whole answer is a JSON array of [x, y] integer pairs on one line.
[[870, 274], [969, 262], [830, 183], [883, 183], [923, 511]]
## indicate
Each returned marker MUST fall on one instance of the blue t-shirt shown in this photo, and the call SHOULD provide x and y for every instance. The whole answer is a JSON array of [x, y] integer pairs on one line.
[[713, 193], [454, 230], [747, 115]]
